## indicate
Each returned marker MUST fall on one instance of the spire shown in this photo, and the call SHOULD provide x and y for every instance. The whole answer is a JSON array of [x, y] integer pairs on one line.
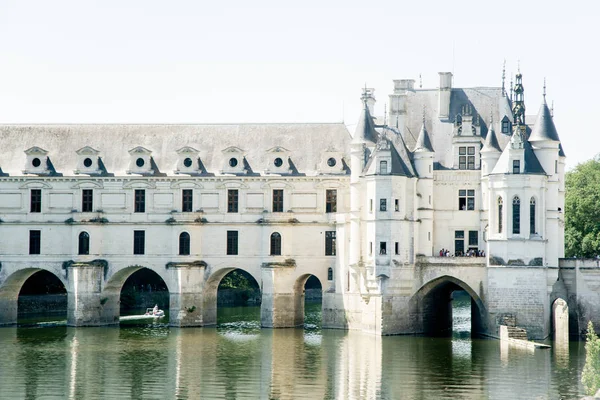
[[365, 129], [519, 103], [491, 141], [503, 78], [423, 142], [544, 128], [544, 89]]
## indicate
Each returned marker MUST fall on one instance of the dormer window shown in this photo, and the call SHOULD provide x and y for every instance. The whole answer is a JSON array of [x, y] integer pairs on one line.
[[383, 169], [233, 161], [516, 166], [141, 161], [88, 161], [278, 161], [466, 157], [37, 161], [188, 161], [332, 163], [505, 125]]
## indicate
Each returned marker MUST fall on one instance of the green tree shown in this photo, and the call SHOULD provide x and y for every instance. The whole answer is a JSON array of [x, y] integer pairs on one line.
[[582, 210], [591, 371]]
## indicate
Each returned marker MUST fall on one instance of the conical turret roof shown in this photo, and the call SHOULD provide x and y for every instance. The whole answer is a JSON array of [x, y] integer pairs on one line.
[[544, 128], [423, 142], [365, 129], [491, 141]]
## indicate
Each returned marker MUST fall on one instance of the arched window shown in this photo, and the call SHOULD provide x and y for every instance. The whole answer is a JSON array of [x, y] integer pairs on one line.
[[275, 244], [184, 244], [532, 216], [84, 243], [516, 215], [330, 274], [500, 204]]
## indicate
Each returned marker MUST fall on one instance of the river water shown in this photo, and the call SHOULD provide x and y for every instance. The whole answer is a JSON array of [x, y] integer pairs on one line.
[[238, 360]]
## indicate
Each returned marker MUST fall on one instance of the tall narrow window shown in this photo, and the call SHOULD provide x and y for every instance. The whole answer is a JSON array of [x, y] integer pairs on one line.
[[396, 205], [277, 200], [532, 216], [232, 243], [232, 201], [500, 205], [140, 201], [459, 243], [329, 274], [370, 205], [184, 244], [462, 158], [36, 201], [331, 201], [397, 248], [330, 243], [383, 169], [382, 204], [473, 239], [84, 243], [383, 248], [139, 242], [275, 244], [35, 242], [470, 157], [516, 166], [87, 200], [187, 200], [516, 215]]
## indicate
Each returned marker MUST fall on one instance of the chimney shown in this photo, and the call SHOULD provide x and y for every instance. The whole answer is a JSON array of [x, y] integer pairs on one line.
[[369, 97], [444, 94]]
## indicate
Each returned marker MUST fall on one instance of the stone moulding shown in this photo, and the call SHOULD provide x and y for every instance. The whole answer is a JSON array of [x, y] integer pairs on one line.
[[94, 263], [288, 262], [199, 263]]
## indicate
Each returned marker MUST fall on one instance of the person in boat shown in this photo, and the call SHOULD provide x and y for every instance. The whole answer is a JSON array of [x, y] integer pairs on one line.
[[155, 309]]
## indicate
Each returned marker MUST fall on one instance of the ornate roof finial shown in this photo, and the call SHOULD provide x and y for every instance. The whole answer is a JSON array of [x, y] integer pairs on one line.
[[503, 78], [552, 110], [518, 66], [511, 87], [420, 82], [544, 89], [385, 114]]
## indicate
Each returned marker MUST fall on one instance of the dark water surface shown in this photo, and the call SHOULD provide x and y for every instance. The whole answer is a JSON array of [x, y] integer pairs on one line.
[[238, 360]]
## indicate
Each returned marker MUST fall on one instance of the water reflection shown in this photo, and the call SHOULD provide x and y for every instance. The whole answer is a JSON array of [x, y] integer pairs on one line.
[[239, 360]]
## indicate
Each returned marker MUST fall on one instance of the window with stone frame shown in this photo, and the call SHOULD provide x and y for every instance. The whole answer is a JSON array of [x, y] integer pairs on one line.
[[331, 200], [232, 200], [506, 125], [383, 168], [473, 239], [139, 201], [35, 242], [232, 243], [466, 199], [516, 166], [466, 157], [500, 206], [382, 248], [187, 200], [277, 200], [139, 242], [83, 243], [516, 215], [382, 204], [184, 244], [532, 230], [35, 205], [459, 243], [87, 200], [330, 249], [275, 244]]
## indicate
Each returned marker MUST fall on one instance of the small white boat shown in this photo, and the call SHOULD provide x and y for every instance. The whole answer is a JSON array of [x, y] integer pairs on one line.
[[154, 314]]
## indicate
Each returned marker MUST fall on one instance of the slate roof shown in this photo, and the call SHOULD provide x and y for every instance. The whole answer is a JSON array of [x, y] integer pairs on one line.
[[306, 143], [401, 160], [423, 141], [491, 142], [532, 164], [544, 128], [365, 129]]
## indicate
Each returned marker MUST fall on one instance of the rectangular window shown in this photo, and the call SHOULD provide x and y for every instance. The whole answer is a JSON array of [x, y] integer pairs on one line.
[[459, 243], [382, 248], [556, 166], [370, 205], [470, 157], [396, 248], [87, 200], [187, 200], [396, 205], [462, 162], [35, 242], [331, 201], [370, 248], [232, 243], [232, 201], [505, 126], [383, 167], [466, 199], [473, 238], [516, 166], [140, 201], [330, 243], [36, 201], [277, 200], [139, 242], [382, 204], [466, 157]]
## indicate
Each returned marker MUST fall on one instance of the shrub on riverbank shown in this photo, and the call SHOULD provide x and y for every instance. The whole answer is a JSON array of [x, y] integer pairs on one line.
[[591, 371]]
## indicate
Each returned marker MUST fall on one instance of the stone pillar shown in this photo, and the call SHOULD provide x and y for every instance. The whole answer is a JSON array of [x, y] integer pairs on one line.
[[281, 306], [186, 304], [85, 300]]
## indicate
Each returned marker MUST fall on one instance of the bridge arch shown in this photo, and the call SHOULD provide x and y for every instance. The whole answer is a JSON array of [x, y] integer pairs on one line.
[[431, 307], [300, 297], [11, 287], [111, 293], [211, 288]]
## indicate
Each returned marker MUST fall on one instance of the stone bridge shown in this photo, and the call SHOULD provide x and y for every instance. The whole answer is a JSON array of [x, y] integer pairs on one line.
[[94, 287]]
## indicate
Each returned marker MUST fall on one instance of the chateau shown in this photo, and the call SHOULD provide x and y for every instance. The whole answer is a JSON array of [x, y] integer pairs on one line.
[[464, 170]]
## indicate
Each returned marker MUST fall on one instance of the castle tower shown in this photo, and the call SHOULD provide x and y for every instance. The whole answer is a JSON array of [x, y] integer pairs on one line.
[[423, 159]]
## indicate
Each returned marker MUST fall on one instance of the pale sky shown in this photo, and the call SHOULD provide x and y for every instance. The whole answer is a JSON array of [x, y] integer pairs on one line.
[[133, 61]]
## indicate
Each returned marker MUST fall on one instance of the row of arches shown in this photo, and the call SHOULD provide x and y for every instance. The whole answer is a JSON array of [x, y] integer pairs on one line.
[[516, 215]]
